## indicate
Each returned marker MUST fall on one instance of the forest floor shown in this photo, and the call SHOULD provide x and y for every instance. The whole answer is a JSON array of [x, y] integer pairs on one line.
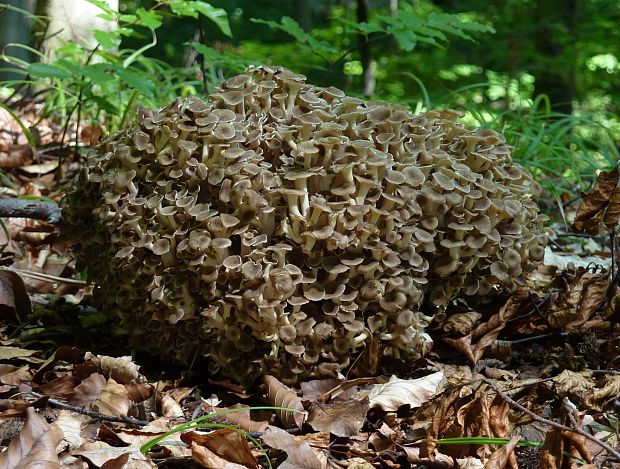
[[528, 380]]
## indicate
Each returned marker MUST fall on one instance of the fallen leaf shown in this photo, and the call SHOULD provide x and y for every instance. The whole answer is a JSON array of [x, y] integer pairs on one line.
[[121, 369], [71, 425], [14, 375], [341, 418], [300, 453], [474, 344], [88, 390], [35, 446], [40, 168], [227, 444], [398, 392], [170, 408], [280, 395], [98, 452], [242, 418], [571, 307], [8, 353], [501, 456], [14, 300], [113, 399], [601, 205], [208, 459]]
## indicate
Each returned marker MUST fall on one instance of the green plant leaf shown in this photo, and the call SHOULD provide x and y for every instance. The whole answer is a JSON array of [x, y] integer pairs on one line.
[[97, 73], [150, 18], [40, 70], [107, 39], [194, 8], [140, 83], [291, 27]]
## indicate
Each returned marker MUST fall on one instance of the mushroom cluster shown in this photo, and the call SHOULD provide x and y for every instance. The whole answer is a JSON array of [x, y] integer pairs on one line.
[[282, 226]]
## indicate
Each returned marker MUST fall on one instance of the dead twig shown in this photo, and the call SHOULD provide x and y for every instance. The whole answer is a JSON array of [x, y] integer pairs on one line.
[[91, 413], [35, 209], [515, 405]]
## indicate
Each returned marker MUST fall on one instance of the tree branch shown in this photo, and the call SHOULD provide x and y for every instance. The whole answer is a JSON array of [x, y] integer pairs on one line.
[[35, 209]]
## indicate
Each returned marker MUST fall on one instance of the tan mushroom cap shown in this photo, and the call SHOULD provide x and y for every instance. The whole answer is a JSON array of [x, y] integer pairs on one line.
[[281, 225]]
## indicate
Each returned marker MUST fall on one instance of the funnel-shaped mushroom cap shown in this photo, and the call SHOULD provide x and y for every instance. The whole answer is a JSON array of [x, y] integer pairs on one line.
[[281, 226]]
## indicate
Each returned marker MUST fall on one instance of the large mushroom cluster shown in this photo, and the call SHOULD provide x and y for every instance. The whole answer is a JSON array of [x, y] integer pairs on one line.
[[283, 226]]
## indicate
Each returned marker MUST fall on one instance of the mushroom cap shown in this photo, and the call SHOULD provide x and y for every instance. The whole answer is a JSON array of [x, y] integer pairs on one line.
[[281, 226]]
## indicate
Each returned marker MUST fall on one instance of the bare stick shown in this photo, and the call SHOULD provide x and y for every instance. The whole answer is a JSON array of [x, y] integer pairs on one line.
[[35, 209], [514, 404], [91, 413]]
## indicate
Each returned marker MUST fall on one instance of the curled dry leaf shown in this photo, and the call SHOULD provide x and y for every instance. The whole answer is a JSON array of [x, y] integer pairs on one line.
[[300, 453], [35, 446], [121, 369], [14, 300], [341, 418], [227, 444], [113, 399], [578, 302], [501, 457], [602, 205], [280, 395], [474, 344], [170, 408], [461, 323], [398, 392], [243, 419]]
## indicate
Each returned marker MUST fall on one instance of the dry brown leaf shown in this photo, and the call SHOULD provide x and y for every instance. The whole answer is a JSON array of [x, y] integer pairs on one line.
[[66, 354], [501, 456], [14, 300], [227, 444], [300, 453], [35, 446], [474, 344], [113, 399], [576, 385], [14, 375], [461, 323], [243, 419], [610, 390], [341, 418], [170, 408], [71, 425], [602, 205], [209, 460], [398, 392], [348, 386], [121, 369], [98, 452], [88, 390], [571, 308], [60, 387], [280, 395], [138, 437]]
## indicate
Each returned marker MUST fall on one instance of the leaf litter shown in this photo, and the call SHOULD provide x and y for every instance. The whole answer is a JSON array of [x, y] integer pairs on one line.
[[529, 380]]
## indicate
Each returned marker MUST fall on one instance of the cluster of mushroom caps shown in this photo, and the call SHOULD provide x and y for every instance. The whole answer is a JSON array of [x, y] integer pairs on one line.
[[283, 226]]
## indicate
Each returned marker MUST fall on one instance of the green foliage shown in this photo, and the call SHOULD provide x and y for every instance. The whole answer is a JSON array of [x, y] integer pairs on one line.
[[543, 72], [107, 82]]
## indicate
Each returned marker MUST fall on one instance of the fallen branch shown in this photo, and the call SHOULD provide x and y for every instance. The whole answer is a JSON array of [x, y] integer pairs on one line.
[[35, 209], [91, 413], [514, 404]]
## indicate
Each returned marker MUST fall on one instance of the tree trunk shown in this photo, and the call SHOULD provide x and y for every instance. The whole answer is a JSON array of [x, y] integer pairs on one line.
[[368, 78], [555, 73]]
